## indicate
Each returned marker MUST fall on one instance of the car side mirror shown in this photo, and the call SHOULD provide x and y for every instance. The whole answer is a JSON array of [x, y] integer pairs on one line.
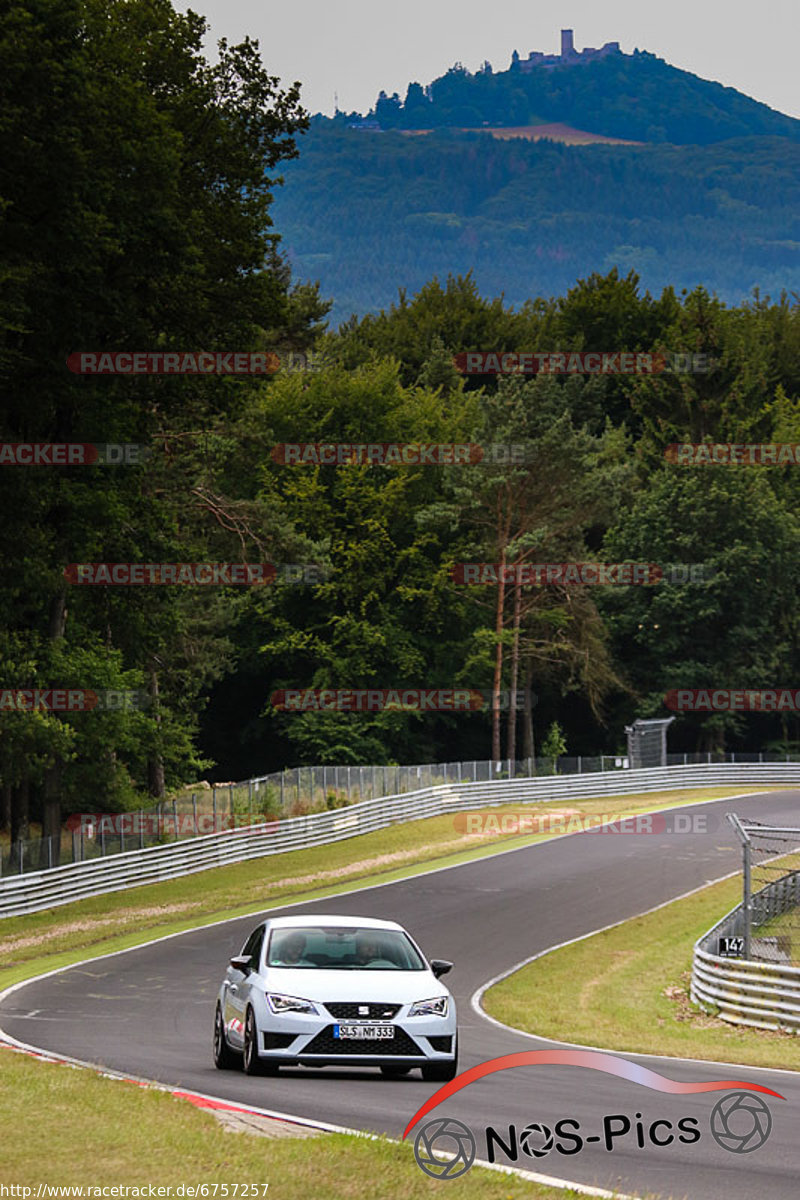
[[241, 962], [440, 966]]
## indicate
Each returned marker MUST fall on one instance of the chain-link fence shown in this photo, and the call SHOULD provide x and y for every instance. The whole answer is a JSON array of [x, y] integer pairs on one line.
[[770, 922], [212, 808]]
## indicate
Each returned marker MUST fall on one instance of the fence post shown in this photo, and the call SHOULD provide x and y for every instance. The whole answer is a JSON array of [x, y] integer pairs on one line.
[[214, 808], [249, 799], [121, 837], [748, 903], [175, 817], [580, 764], [102, 839], [21, 855], [348, 783], [282, 774], [194, 813], [141, 829], [50, 851]]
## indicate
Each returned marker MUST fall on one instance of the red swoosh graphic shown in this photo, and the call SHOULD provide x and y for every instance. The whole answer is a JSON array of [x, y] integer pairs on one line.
[[594, 1060]]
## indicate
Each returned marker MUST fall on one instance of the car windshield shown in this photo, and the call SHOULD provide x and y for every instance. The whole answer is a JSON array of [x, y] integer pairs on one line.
[[343, 949]]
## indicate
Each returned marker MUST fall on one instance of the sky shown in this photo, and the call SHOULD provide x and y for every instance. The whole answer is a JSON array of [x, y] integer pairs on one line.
[[354, 48]]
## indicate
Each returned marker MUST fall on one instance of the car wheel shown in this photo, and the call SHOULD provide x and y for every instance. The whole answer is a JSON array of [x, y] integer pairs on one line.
[[441, 1072], [253, 1063], [225, 1059], [392, 1072]]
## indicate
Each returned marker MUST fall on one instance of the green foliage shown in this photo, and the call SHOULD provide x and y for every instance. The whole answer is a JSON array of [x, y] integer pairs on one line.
[[554, 744]]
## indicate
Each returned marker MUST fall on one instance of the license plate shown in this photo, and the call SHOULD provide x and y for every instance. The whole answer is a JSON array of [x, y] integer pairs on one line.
[[363, 1031]]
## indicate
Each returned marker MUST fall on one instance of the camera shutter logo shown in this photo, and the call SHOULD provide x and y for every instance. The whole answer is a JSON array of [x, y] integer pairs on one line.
[[531, 1134], [444, 1136], [740, 1122]]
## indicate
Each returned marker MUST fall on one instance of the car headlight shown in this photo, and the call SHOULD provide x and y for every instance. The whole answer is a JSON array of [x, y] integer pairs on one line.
[[437, 1007], [284, 1004]]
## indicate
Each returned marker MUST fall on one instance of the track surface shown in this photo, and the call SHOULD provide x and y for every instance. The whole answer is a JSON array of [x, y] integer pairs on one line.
[[149, 1011]]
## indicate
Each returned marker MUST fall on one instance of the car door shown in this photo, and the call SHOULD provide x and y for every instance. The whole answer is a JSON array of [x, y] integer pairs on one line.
[[237, 988]]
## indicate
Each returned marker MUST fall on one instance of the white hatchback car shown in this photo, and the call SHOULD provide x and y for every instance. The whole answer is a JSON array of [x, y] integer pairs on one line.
[[324, 990]]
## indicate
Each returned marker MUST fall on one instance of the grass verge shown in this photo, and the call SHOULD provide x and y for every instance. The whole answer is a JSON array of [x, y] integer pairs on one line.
[[66, 1127], [627, 989]]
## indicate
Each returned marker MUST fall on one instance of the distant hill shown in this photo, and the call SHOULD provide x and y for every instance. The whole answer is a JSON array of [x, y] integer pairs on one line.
[[368, 213], [637, 97]]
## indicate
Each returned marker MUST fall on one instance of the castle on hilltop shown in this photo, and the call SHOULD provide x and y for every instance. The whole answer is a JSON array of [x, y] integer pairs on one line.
[[569, 56]]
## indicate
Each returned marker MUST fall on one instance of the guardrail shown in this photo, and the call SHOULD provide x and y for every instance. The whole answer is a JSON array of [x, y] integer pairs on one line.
[[61, 885], [763, 992], [742, 991]]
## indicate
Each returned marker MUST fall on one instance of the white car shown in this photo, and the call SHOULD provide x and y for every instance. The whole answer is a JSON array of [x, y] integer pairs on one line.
[[320, 991]]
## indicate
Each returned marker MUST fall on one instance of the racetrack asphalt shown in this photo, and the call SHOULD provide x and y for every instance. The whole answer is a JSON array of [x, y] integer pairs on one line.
[[148, 1012]]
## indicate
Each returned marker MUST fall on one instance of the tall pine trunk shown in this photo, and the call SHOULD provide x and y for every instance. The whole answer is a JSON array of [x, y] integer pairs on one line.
[[511, 728], [20, 818], [529, 748], [155, 765], [498, 661]]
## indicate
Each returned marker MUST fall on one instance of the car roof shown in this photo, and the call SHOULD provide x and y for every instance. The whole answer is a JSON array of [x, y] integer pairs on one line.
[[332, 919]]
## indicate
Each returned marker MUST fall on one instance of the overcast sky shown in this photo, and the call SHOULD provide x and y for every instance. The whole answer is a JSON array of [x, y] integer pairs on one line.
[[356, 47]]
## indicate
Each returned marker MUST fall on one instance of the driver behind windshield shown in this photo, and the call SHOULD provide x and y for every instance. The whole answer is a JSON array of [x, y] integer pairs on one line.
[[290, 952], [371, 952]]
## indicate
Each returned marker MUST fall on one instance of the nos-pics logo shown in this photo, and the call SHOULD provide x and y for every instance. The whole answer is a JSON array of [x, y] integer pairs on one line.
[[445, 1148]]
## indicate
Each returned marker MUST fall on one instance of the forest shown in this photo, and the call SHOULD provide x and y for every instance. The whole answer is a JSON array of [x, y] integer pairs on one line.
[[168, 239]]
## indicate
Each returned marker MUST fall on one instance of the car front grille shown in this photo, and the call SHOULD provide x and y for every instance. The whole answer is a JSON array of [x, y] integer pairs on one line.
[[401, 1045], [352, 1011]]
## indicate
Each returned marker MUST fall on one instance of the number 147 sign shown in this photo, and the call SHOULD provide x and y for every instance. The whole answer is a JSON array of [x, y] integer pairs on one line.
[[731, 947]]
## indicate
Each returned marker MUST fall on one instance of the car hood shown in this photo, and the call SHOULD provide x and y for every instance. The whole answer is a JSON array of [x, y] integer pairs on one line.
[[398, 987]]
